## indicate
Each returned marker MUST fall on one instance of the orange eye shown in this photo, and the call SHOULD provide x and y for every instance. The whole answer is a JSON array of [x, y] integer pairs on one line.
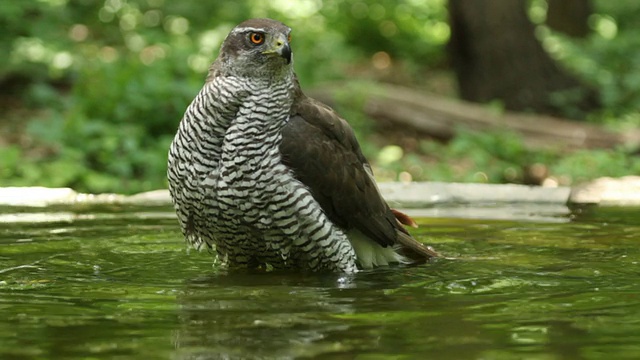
[[256, 38], [289, 38]]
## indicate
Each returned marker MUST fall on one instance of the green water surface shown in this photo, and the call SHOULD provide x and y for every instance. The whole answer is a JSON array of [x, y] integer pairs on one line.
[[119, 283]]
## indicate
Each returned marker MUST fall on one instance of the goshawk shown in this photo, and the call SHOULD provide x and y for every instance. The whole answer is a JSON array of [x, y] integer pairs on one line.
[[268, 176]]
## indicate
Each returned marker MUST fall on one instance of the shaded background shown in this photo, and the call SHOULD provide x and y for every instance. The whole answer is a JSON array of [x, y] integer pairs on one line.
[[91, 92]]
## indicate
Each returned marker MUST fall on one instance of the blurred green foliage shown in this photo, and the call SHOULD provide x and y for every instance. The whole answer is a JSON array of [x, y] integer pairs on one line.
[[92, 91], [609, 59]]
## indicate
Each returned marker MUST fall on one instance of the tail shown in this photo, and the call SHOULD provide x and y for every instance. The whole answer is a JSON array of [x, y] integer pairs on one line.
[[415, 250], [407, 250], [410, 247]]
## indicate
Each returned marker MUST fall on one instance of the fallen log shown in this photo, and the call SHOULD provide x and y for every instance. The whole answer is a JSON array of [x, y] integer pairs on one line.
[[442, 118]]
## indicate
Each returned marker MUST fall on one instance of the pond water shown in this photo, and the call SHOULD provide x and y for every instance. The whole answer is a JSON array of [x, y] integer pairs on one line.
[[119, 283]]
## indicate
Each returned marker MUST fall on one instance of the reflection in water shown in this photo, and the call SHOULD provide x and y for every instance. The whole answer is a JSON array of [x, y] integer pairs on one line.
[[478, 308], [122, 285], [384, 311], [272, 314]]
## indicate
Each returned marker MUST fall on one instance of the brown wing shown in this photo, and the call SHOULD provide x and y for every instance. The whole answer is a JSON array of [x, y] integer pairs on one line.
[[322, 150]]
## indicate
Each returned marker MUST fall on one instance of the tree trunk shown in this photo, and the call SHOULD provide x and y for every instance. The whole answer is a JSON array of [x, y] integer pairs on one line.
[[569, 16], [496, 56]]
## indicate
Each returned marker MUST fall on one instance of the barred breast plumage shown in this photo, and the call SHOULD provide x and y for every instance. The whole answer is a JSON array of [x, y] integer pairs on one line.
[[267, 176]]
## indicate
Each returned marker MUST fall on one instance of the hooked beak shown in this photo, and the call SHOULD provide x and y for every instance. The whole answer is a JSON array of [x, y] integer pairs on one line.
[[281, 47], [285, 52]]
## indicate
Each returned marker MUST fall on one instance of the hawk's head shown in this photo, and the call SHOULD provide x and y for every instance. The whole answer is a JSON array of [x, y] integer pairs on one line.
[[257, 47]]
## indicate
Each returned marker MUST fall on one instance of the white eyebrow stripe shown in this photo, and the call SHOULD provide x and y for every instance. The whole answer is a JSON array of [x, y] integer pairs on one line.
[[245, 29]]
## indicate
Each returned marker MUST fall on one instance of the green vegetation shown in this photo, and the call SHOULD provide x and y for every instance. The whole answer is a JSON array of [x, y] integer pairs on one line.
[[92, 92]]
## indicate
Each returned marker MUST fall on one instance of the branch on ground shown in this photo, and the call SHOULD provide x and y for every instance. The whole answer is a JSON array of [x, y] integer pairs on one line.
[[442, 118]]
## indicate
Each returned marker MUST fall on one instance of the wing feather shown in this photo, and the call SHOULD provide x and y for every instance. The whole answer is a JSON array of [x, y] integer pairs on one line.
[[324, 154]]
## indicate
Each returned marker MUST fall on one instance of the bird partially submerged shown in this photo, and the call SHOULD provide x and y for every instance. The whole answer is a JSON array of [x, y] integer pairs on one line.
[[268, 176]]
